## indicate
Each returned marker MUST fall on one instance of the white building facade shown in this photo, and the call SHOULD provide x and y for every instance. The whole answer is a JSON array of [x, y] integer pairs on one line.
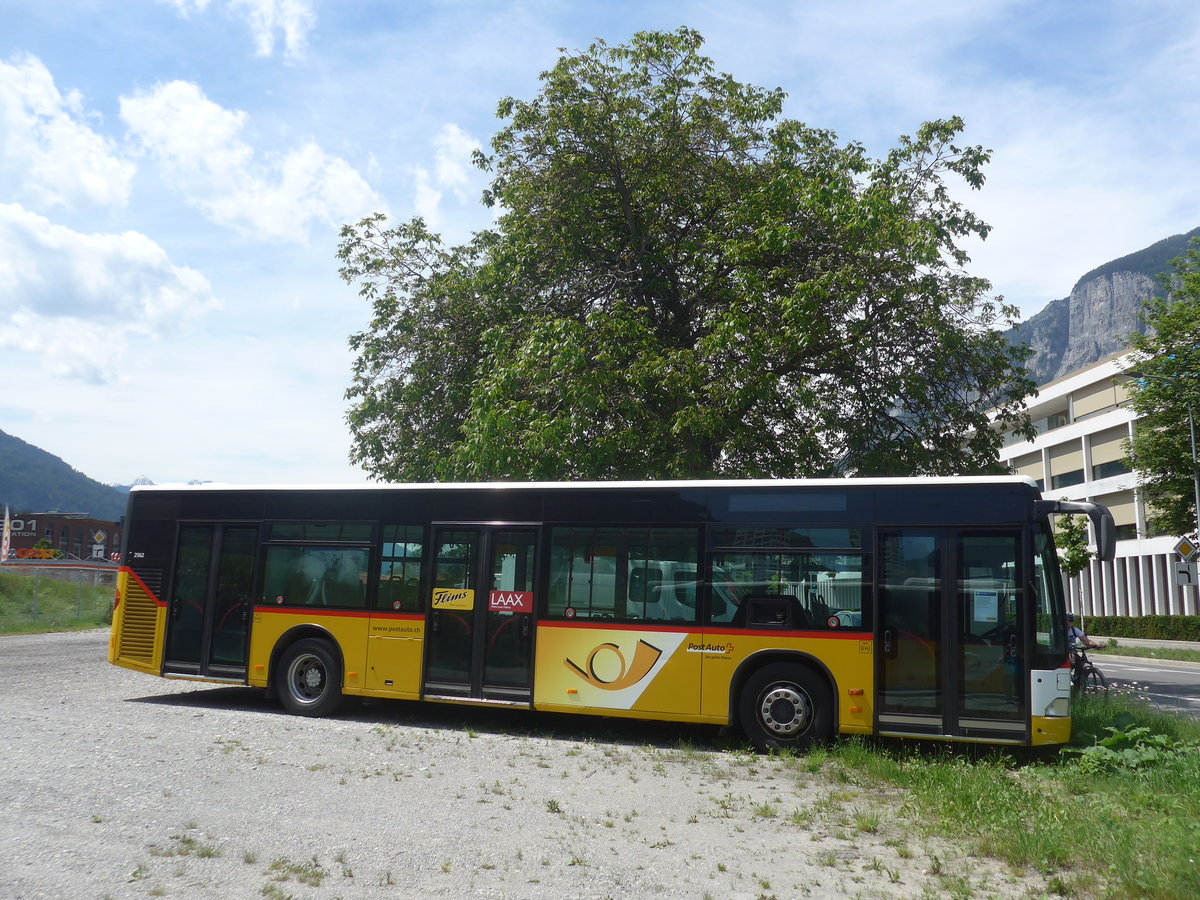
[[1083, 420]]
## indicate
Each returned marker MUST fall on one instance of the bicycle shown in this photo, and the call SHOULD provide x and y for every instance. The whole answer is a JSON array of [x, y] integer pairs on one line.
[[1085, 677]]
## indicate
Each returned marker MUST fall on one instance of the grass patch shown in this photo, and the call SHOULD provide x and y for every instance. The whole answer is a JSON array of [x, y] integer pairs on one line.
[[1116, 648], [310, 872], [1100, 822], [32, 604]]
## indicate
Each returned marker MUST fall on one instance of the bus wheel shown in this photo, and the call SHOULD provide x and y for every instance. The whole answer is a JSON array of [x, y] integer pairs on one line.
[[309, 678], [786, 706]]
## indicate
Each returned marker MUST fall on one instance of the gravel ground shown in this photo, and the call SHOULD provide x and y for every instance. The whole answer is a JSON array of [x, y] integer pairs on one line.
[[114, 784]]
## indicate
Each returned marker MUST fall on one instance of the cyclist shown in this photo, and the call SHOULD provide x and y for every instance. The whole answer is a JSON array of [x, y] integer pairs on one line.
[[1076, 637], [1083, 674]]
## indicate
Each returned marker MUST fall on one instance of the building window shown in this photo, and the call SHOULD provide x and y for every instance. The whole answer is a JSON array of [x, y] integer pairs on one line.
[[1109, 469], [1066, 479], [1126, 532], [1058, 420]]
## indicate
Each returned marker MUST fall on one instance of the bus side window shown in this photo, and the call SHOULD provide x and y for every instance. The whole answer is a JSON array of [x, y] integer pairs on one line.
[[316, 576], [400, 569], [626, 574]]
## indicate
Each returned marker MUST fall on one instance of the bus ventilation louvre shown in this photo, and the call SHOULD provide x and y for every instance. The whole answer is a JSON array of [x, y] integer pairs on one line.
[[140, 618]]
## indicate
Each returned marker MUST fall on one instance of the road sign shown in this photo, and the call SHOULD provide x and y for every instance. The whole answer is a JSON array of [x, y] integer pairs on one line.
[[1185, 574], [1187, 549]]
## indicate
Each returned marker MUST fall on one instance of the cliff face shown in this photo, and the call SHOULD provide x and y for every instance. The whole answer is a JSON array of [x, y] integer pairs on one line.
[[1102, 310]]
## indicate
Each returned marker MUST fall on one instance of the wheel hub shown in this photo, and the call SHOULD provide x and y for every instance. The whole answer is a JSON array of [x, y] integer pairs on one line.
[[312, 677], [785, 710]]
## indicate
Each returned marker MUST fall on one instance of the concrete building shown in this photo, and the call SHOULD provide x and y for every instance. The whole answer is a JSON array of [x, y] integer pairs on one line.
[[1082, 420]]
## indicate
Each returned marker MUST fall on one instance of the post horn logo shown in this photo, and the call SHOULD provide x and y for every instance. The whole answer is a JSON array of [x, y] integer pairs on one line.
[[644, 658]]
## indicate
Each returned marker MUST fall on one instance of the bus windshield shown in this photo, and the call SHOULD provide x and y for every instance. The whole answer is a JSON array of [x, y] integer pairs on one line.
[[1049, 607]]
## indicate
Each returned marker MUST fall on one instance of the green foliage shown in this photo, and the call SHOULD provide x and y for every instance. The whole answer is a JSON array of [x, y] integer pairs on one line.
[[682, 283], [1071, 540], [1165, 628], [1131, 747], [1169, 355], [1054, 813]]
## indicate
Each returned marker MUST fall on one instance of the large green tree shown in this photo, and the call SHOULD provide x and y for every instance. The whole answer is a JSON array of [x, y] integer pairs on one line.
[[681, 282], [1168, 358]]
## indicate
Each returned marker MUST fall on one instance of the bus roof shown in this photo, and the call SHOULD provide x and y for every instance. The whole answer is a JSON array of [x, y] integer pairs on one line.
[[687, 484]]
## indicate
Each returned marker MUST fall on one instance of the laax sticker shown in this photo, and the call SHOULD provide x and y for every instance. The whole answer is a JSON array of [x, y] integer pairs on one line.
[[510, 601]]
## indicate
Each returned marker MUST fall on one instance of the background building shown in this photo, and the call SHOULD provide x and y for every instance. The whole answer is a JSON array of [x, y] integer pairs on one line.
[[76, 535], [1083, 420]]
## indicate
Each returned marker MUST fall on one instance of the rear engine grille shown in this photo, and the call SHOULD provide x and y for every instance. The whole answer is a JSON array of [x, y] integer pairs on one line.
[[139, 621]]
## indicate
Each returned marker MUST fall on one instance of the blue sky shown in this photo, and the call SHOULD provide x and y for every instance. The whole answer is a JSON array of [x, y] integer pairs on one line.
[[173, 174]]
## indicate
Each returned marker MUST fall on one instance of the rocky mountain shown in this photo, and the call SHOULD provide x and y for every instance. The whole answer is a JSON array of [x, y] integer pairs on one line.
[[32, 480], [1100, 312]]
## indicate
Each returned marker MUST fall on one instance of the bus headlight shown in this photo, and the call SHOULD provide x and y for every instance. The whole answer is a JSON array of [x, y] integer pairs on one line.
[[1059, 706]]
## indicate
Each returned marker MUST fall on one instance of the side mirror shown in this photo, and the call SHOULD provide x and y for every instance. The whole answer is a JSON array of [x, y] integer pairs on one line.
[[1101, 518]]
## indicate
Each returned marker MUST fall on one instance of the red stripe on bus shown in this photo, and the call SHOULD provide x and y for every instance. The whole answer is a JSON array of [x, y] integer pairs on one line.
[[149, 593], [832, 635], [613, 625], [311, 611], [609, 625]]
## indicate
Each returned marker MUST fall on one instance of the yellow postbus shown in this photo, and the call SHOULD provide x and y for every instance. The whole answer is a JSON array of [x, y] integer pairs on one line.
[[794, 610]]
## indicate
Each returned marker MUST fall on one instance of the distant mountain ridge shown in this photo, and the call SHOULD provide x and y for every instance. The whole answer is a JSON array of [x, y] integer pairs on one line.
[[32, 480], [1101, 311]]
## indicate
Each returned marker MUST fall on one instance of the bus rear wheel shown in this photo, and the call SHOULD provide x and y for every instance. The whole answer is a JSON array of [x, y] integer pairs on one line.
[[786, 707], [309, 678]]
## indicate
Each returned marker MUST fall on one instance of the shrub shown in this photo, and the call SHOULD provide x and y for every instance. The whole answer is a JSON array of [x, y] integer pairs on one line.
[[1166, 628]]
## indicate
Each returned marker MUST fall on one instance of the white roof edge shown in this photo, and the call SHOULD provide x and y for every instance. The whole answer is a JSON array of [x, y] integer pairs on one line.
[[603, 485]]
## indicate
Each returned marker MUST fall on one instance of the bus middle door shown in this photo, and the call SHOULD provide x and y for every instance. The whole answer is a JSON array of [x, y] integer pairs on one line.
[[479, 638]]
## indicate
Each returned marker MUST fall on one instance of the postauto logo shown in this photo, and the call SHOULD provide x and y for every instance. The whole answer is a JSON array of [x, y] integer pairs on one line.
[[645, 655]]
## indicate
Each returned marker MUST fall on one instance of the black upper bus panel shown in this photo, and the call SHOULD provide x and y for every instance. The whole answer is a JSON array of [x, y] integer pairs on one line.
[[936, 502]]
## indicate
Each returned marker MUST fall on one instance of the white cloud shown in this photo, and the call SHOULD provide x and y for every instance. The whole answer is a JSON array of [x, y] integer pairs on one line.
[[199, 145], [78, 298], [45, 142], [185, 7], [293, 19], [453, 158], [452, 171], [427, 199]]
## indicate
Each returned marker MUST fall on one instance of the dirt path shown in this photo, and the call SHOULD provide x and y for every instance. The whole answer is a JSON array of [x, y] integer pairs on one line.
[[114, 784]]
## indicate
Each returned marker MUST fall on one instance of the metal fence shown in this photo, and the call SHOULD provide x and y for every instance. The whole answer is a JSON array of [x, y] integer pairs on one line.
[[59, 592]]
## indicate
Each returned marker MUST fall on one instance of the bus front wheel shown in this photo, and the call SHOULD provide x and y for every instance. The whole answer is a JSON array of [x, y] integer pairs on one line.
[[309, 678], [786, 706]]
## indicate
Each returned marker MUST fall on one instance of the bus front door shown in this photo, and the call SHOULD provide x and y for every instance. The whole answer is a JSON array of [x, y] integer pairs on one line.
[[951, 654], [479, 638], [209, 608]]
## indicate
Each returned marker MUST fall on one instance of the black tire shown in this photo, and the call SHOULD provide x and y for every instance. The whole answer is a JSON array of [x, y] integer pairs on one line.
[[308, 678], [785, 706], [1094, 680]]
